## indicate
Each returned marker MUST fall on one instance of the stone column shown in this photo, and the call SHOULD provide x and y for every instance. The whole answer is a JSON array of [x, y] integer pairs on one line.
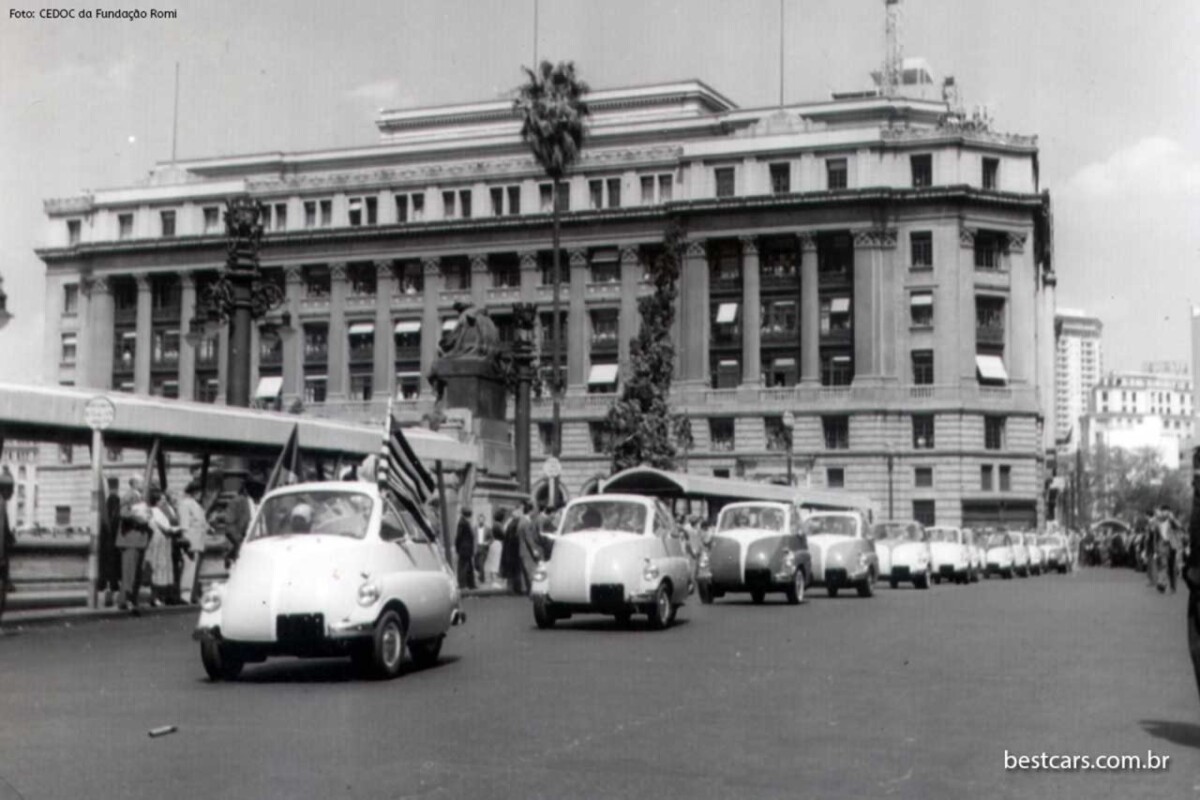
[[751, 314], [1021, 326], [293, 346], [222, 363], [577, 324], [384, 379], [810, 313], [694, 323], [965, 275], [872, 307], [100, 334], [431, 322], [187, 354], [479, 280], [629, 321], [141, 361], [529, 276], [338, 355], [1047, 352]]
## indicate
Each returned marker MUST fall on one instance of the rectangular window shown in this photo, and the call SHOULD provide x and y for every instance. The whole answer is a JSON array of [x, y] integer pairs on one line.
[[316, 342], [363, 211], [724, 178], [168, 223], [835, 478], [456, 274], [985, 478], [448, 205], [280, 217], [546, 437], [71, 298], [778, 435], [836, 369], [604, 328], [310, 213], [922, 367], [360, 386], [923, 477], [212, 219], [613, 186], [316, 282], [68, 348], [991, 171], [993, 433], [464, 203], [1005, 478], [546, 195], [922, 170], [666, 188], [314, 388], [596, 194], [124, 226], [921, 309], [326, 213], [835, 314], [989, 320], [62, 516], [987, 249], [837, 432], [605, 266], [836, 171], [781, 178], [66, 454], [74, 227], [922, 431], [601, 437], [924, 512], [514, 200], [497, 195], [647, 182], [721, 432], [921, 246]]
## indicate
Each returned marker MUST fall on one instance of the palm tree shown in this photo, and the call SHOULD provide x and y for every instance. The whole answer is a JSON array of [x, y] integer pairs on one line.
[[552, 113]]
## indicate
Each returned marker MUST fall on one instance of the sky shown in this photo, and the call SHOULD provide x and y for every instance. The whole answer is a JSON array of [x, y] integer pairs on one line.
[[1109, 87]]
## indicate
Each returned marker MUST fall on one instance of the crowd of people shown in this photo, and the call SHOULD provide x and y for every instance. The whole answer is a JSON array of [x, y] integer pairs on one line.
[[1157, 544]]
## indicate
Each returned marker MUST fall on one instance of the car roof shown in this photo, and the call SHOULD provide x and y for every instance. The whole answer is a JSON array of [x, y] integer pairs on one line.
[[358, 487], [640, 499]]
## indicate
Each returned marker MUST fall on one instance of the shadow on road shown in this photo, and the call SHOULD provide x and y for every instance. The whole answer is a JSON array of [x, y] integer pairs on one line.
[[1186, 734], [609, 624], [325, 670]]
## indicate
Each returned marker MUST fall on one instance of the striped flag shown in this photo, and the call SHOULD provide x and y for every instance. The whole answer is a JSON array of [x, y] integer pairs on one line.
[[401, 475]]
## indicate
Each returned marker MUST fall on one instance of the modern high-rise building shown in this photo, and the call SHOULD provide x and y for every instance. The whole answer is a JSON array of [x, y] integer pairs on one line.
[[876, 265], [1147, 409], [1078, 365]]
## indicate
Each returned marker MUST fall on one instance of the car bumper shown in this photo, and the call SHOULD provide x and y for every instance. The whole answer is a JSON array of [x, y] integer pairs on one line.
[[752, 580]]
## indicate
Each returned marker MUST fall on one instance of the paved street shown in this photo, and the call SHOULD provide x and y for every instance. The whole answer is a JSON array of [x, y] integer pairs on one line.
[[911, 694]]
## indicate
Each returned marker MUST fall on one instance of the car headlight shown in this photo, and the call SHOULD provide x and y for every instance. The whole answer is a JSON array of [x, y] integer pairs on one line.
[[649, 571], [704, 560], [368, 594], [211, 600], [540, 573]]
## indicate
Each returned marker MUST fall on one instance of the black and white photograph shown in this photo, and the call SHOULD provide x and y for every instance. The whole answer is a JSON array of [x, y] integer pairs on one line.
[[557, 399]]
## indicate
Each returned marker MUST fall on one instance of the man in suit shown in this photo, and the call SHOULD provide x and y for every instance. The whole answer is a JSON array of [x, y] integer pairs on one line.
[[240, 513], [132, 540], [464, 549], [7, 540], [529, 541]]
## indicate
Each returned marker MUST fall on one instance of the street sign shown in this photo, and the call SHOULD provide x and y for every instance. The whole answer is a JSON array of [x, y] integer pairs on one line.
[[789, 419], [552, 468], [99, 413]]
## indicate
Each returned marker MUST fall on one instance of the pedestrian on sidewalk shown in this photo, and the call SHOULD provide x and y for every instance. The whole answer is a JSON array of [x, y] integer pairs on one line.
[[510, 557], [195, 527], [7, 538], [1170, 543], [132, 540], [1150, 543], [483, 541], [159, 550], [464, 549], [529, 538], [109, 578]]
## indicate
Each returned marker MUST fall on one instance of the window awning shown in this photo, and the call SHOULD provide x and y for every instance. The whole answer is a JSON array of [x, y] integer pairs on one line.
[[922, 299], [602, 374], [841, 359], [780, 363], [362, 328], [450, 324], [840, 305], [991, 368], [727, 313], [129, 335], [315, 378], [408, 376], [408, 326], [728, 363], [269, 387]]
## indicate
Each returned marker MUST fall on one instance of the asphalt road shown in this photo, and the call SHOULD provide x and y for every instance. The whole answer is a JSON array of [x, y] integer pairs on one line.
[[910, 694]]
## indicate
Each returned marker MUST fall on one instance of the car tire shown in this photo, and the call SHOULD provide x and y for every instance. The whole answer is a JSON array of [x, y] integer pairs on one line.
[[543, 614], [1008, 575], [937, 580], [425, 654], [220, 662], [795, 592], [921, 581], [661, 611], [832, 591], [757, 596], [866, 587], [705, 592], [892, 582], [974, 576], [387, 646], [623, 618]]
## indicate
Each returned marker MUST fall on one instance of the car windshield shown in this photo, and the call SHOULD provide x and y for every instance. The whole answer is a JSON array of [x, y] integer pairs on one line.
[[998, 540], [943, 535], [1050, 541], [606, 515], [838, 524], [764, 517], [330, 513]]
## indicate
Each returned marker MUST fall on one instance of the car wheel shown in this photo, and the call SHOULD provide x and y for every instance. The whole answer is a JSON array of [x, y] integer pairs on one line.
[[623, 618], [895, 584], [661, 612], [543, 614], [922, 580], [1008, 575], [425, 654], [974, 576], [832, 591], [706, 593], [866, 587], [937, 580], [387, 646], [757, 596], [795, 592], [219, 662]]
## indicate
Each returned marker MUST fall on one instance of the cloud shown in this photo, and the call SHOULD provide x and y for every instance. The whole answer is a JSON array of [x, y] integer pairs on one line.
[[385, 92], [1152, 167]]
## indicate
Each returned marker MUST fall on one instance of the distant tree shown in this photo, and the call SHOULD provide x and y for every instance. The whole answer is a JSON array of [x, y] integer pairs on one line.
[[1125, 483], [641, 425]]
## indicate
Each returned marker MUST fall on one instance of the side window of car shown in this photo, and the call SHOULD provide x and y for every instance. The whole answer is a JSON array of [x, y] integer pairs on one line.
[[662, 521], [391, 529]]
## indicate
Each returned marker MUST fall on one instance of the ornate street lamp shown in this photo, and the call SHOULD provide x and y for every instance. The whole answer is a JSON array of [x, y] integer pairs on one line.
[[524, 317]]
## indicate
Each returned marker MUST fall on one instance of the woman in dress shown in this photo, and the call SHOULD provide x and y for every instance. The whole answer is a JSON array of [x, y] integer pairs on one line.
[[158, 554]]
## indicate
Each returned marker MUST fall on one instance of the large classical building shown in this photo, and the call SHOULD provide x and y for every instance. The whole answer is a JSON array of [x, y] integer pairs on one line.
[[1078, 365], [877, 266]]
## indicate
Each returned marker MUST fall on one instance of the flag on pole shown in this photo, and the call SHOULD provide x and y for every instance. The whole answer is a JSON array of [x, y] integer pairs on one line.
[[288, 459], [401, 475]]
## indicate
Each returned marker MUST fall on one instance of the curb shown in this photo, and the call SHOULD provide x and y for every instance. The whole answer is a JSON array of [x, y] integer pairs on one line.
[[16, 621]]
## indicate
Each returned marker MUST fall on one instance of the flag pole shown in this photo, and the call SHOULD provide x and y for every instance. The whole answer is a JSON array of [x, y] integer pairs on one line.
[[441, 484]]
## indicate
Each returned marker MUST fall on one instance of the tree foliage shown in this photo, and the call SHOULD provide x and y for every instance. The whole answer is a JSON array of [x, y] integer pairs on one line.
[[552, 113], [642, 427], [1126, 483]]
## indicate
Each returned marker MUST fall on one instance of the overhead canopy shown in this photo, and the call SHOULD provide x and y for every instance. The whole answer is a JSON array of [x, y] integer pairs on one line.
[[602, 374], [840, 305], [727, 313], [408, 326], [660, 483], [362, 328], [991, 368], [269, 387]]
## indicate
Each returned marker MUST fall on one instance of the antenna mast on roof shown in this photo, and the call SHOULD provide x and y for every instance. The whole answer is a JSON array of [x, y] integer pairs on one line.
[[893, 64]]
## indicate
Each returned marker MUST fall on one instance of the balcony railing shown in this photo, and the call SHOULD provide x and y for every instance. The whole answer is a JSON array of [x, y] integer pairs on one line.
[[605, 344], [833, 277], [989, 334], [316, 354], [773, 336], [726, 336], [837, 336], [363, 353], [270, 357], [125, 314], [166, 313]]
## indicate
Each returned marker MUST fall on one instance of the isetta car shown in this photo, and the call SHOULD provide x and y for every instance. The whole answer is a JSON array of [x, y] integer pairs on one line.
[[908, 555], [1021, 557], [843, 554], [951, 554], [614, 554], [1058, 553], [975, 553], [330, 569], [757, 547], [1037, 557], [1001, 559]]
